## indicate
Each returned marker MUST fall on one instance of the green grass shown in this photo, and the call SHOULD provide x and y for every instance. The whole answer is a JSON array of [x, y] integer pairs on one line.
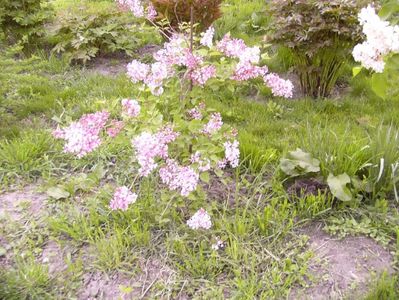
[[29, 280], [264, 256], [386, 288]]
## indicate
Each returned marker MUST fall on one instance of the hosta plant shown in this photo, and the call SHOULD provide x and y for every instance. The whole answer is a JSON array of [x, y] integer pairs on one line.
[[320, 36], [174, 137]]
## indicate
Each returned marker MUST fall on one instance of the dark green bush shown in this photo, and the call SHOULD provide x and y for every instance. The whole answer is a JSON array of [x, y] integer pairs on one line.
[[83, 34], [320, 35], [24, 20]]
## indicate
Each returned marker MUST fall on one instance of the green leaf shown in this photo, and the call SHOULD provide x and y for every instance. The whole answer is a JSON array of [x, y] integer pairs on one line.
[[3, 251], [356, 70], [338, 186], [298, 163], [57, 193], [379, 85], [205, 177]]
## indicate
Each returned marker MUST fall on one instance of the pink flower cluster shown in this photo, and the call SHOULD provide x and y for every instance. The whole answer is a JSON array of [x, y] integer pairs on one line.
[[203, 164], [231, 47], [200, 220], [137, 8], [232, 153], [280, 87], [115, 127], [150, 146], [195, 114], [245, 71], [83, 137], [214, 124], [238, 49], [151, 12], [201, 75], [131, 107], [180, 178], [122, 198], [176, 52], [137, 71]]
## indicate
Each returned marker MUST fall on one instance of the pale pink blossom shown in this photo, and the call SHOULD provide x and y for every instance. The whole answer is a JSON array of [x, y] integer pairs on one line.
[[245, 71], [137, 71], [231, 47], [201, 75], [204, 164], [82, 137], [250, 54], [115, 127], [219, 244], [159, 72], [151, 12], [180, 178], [167, 135], [200, 220], [207, 37], [191, 60], [280, 87], [381, 39], [173, 52], [214, 124], [131, 107], [222, 164], [122, 198], [232, 153], [136, 7], [195, 113], [149, 147]]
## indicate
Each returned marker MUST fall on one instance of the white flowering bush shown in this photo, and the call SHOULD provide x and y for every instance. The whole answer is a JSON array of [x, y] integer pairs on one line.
[[173, 135], [379, 51]]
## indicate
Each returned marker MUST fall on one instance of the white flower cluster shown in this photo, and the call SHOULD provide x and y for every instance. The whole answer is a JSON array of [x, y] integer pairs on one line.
[[381, 39]]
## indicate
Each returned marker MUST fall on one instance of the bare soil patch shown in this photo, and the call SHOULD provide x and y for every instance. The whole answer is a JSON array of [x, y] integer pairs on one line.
[[12, 203], [14, 206], [342, 268], [114, 65], [109, 66], [98, 285]]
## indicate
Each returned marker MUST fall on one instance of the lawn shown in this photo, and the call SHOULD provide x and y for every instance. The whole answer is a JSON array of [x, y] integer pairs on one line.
[[280, 236]]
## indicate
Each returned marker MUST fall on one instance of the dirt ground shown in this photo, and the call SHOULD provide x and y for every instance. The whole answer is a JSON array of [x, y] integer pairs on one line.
[[342, 267]]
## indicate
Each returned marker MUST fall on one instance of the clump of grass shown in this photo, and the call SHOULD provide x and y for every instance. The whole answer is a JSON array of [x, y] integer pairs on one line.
[[336, 149], [25, 157], [386, 288], [28, 280]]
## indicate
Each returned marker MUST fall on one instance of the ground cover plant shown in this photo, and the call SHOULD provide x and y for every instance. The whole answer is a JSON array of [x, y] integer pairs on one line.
[[133, 184]]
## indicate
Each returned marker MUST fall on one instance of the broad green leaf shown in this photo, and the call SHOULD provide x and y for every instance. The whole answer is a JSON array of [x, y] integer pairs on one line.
[[356, 70], [298, 163], [57, 193], [205, 177], [338, 186], [379, 85]]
